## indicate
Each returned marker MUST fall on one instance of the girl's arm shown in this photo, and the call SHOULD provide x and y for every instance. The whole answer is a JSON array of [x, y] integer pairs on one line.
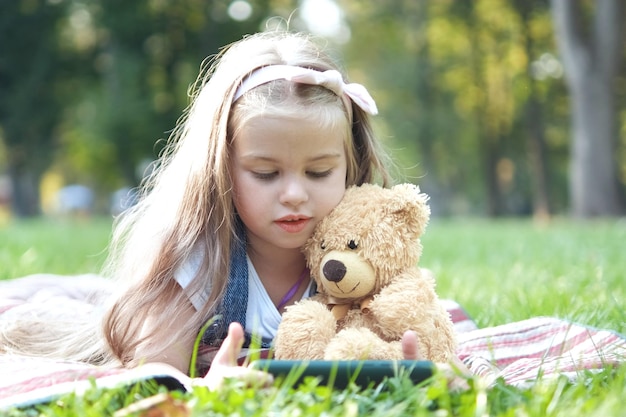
[[224, 364], [177, 354]]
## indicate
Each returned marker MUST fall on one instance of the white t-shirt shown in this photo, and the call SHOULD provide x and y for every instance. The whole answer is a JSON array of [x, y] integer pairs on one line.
[[262, 317], [185, 274]]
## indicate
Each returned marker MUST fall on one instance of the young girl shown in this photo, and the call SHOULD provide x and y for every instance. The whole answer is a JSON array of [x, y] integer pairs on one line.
[[273, 137], [271, 141]]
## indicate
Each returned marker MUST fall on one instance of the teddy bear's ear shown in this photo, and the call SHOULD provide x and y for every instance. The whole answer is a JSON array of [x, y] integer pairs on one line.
[[410, 206]]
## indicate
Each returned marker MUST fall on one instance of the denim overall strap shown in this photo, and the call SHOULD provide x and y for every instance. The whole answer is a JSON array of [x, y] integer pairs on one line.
[[234, 305], [235, 302]]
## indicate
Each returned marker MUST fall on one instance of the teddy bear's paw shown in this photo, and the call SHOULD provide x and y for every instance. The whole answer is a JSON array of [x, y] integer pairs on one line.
[[305, 330], [361, 344], [309, 313], [439, 342]]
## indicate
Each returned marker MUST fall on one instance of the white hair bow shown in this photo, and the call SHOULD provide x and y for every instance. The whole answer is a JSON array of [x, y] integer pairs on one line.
[[330, 79]]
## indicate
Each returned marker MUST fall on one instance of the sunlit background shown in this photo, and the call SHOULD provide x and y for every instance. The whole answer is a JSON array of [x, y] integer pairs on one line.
[[475, 98]]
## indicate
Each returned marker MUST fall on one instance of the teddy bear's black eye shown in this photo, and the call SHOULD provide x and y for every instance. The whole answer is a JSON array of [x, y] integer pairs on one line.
[[323, 245], [352, 245]]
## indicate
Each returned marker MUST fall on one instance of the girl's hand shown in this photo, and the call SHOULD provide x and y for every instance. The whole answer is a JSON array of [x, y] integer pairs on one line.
[[225, 366]]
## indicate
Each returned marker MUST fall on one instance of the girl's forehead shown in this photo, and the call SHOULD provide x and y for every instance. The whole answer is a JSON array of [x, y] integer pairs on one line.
[[310, 129], [272, 138], [322, 118], [322, 115]]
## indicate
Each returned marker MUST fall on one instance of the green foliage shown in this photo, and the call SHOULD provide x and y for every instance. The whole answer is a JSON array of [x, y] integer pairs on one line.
[[144, 55], [95, 402], [455, 82], [29, 100], [92, 89], [196, 346]]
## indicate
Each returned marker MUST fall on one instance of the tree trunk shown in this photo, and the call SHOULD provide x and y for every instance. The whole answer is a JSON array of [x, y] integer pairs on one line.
[[536, 145], [591, 58], [24, 190], [490, 154], [488, 138], [535, 126]]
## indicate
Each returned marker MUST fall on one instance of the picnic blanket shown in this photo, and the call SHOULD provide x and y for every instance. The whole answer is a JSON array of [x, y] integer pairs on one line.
[[540, 347], [518, 353]]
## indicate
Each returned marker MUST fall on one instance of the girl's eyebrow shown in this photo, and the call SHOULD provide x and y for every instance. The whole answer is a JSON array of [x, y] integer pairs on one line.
[[316, 158], [329, 155]]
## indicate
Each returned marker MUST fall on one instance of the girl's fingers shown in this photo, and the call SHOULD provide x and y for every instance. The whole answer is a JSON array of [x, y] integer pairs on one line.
[[224, 365], [410, 347], [455, 371], [231, 347], [250, 377]]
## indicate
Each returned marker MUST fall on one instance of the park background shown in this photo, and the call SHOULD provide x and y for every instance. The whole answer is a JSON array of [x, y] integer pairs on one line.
[[495, 108]]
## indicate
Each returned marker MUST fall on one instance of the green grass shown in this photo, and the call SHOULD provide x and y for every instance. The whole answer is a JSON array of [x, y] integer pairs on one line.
[[60, 246], [511, 270], [499, 271]]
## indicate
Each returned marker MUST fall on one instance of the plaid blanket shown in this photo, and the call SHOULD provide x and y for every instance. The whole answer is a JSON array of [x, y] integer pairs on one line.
[[519, 353], [546, 347], [26, 380]]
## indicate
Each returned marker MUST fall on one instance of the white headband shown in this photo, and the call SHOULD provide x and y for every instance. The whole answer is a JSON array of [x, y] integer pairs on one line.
[[330, 79]]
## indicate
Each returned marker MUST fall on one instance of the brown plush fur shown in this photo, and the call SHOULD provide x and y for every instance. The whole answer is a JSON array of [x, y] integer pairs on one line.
[[363, 257]]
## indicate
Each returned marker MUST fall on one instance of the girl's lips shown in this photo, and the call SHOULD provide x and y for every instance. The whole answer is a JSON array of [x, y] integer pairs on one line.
[[293, 225]]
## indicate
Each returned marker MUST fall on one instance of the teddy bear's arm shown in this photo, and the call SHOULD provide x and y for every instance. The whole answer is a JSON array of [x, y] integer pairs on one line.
[[305, 330], [360, 343], [410, 303]]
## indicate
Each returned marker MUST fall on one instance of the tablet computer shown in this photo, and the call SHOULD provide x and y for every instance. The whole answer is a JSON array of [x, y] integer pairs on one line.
[[340, 373]]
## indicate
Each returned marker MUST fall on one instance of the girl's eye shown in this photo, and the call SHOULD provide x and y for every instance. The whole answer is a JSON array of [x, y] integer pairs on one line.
[[319, 174], [265, 175]]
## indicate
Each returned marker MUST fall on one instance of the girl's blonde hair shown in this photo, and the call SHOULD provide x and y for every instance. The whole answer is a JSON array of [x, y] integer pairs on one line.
[[186, 202]]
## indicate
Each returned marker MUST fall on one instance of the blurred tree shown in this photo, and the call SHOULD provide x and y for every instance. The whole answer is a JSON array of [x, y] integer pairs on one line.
[[30, 107], [472, 97], [145, 55], [451, 73], [534, 112], [466, 106], [591, 37], [89, 87], [418, 121]]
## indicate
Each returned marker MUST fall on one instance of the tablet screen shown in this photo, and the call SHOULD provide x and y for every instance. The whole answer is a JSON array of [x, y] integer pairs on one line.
[[340, 373]]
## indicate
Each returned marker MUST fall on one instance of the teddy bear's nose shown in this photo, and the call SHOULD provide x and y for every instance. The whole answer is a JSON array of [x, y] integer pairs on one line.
[[334, 270]]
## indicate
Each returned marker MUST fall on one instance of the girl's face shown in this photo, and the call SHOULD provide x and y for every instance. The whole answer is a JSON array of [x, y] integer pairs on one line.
[[288, 174]]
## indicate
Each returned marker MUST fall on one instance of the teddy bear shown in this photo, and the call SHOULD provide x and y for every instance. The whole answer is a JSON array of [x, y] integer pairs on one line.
[[363, 258]]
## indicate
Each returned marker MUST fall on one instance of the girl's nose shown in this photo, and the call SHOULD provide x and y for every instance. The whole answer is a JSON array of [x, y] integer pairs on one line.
[[293, 192]]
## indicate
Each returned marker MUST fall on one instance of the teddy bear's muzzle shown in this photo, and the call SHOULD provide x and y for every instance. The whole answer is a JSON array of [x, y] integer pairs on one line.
[[346, 275]]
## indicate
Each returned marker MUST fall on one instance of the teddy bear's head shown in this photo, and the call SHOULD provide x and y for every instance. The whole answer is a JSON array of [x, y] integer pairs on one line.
[[371, 236]]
